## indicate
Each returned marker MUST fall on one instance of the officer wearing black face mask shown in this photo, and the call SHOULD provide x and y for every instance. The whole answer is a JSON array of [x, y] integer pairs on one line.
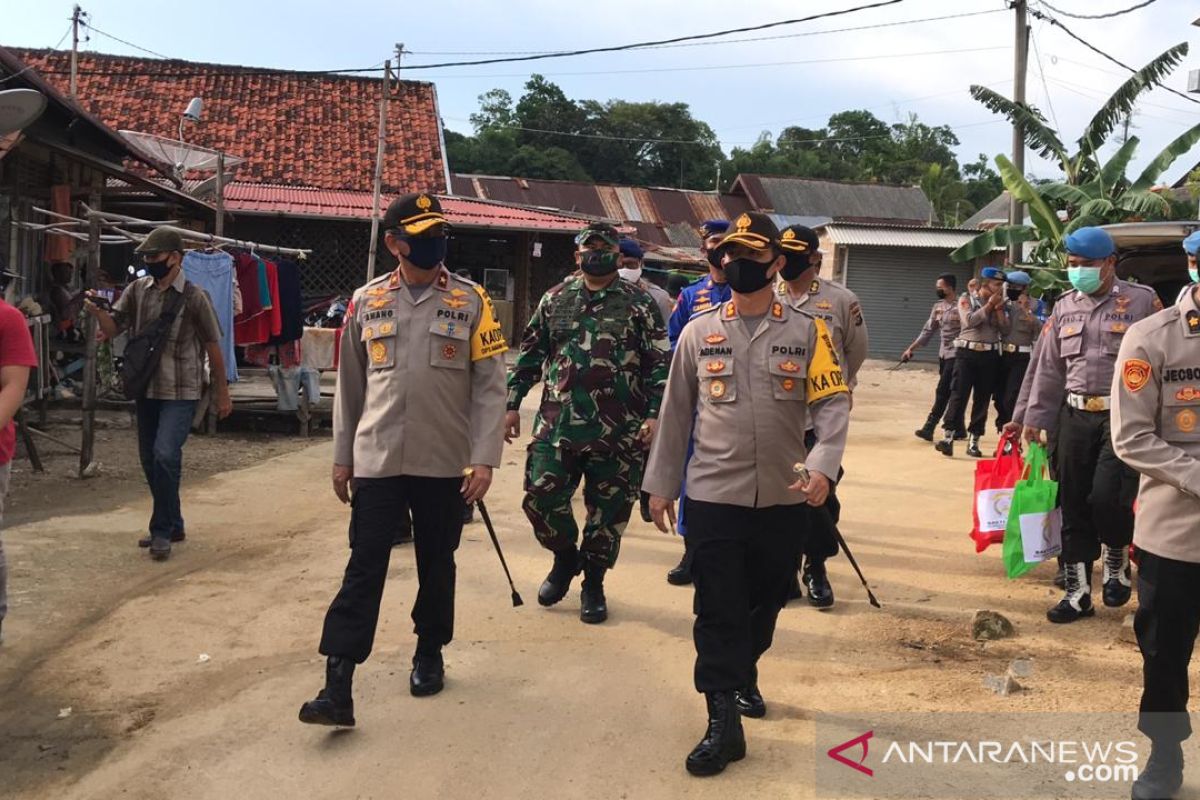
[[420, 399], [1015, 346]]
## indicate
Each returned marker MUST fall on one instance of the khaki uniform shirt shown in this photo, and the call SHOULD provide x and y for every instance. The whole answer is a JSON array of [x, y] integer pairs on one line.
[[980, 323], [751, 397], [180, 374], [842, 313], [1018, 414], [1156, 427], [1023, 326], [661, 298], [1082, 338], [943, 318], [420, 381]]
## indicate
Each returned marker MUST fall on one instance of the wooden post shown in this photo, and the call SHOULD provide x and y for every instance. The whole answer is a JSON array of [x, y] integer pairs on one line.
[[377, 186], [90, 274]]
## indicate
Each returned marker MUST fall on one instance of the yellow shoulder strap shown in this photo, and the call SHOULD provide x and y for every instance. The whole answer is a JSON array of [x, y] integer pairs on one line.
[[488, 340], [824, 372]]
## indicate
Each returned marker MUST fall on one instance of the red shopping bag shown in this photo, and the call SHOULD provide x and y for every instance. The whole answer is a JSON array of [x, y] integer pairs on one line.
[[995, 479]]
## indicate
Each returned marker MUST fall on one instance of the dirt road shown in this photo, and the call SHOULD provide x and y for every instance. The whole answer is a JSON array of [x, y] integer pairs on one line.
[[536, 704]]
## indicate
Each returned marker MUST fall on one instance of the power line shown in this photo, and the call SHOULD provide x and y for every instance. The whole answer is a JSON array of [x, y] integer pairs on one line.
[[1098, 51], [709, 44], [58, 44], [1042, 72], [94, 29], [642, 70], [1096, 16], [642, 45]]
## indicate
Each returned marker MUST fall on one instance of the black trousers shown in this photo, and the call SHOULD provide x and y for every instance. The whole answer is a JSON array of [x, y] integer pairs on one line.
[[437, 512], [743, 562], [821, 542], [941, 396], [976, 376], [1166, 623], [1008, 385], [1095, 488]]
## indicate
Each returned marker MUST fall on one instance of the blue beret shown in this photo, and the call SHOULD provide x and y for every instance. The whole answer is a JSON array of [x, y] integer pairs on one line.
[[1019, 278], [992, 274], [1094, 243], [1192, 243], [713, 226], [631, 249]]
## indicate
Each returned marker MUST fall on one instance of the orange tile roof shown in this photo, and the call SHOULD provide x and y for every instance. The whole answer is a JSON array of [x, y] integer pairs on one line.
[[292, 128]]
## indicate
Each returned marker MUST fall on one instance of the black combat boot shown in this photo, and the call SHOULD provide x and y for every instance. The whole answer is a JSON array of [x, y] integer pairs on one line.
[[960, 435], [750, 701], [558, 582], [724, 740], [946, 445], [333, 704], [593, 608], [973, 447], [926, 431], [681, 575], [1118, 577], [428, 676], [1163, 775], [1077, 602], [1060, 577], [820, 593], [644, 507], [468, 513]]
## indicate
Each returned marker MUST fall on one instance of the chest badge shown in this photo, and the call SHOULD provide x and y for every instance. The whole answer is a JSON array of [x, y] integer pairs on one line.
[[380, 303], [1122, 304], [378, 352], [369, 333], [714, 338], [788, 384], [814, 287], [1193, 322], [454, 302], [716, 389], [825, 305], [1119, 327], [458, 293], [777, 310], [1188, 394], [715, 366], [377, 291], [1186, 420], [449, 352], [386, 329], [790, 366], [730, 310]]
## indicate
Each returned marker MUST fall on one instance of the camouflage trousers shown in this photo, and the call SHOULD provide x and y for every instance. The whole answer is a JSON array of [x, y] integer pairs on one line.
[[610, 488]]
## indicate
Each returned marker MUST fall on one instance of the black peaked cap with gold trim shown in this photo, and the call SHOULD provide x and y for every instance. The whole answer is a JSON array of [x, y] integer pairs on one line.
[[414, 214], [752, 229]]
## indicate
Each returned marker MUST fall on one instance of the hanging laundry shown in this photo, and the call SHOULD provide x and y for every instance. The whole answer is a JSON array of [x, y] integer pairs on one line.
[[291, 302], [213, 272], [58, 247]]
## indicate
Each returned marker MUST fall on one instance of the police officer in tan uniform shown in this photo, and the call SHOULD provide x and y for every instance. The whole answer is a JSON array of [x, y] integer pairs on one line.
[[943, 318], [751, 372], [1156, 431], [420, 400], [1069, 386], [1016, 345], [984, 321], [800, 283]]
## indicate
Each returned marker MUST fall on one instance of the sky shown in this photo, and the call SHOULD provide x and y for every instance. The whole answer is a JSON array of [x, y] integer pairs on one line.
[[739, 88]]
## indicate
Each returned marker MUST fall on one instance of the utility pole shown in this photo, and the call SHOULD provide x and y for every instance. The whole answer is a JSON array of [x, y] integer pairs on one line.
[[76, 17], [1016, 209], [380, 149]]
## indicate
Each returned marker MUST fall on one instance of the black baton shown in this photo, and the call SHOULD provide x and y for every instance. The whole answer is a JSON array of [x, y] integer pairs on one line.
[[487, 521], [850, 557]]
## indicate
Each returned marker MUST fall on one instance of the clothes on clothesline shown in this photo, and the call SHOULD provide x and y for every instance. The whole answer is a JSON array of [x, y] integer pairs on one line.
[[319, 348], [213, 272], [289, 381], [268, 355], [290, 302], [262, 313]]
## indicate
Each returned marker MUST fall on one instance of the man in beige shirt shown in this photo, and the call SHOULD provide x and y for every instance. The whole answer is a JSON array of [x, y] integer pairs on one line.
[[1156, 431], [751, 372], [419, 404], [168, 405]]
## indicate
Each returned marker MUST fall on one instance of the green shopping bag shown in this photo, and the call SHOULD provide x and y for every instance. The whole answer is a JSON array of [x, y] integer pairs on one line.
[[1033, 533]]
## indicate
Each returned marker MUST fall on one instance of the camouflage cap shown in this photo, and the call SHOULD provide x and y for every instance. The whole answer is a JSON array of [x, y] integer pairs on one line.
[[160, 240]]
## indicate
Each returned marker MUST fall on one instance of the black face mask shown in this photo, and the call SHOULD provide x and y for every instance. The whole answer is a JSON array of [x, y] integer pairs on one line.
[[599, 263], [1014, 294], [941, 293], [427, 252], [746, 276], [714, 258], [797, 264], [158, 269]]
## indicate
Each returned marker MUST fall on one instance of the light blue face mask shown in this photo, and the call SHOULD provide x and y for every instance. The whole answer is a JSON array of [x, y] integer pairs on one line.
[[1194, 274], [1085, 279]]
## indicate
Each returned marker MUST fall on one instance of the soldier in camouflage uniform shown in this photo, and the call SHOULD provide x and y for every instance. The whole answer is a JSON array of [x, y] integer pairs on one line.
[[601, 345]]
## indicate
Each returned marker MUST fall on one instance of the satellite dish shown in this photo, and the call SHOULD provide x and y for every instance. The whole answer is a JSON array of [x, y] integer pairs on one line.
[[18, 108], [184, 157]]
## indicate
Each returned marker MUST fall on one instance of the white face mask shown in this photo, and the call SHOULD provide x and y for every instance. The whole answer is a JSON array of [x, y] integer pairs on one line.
[[631, 275]]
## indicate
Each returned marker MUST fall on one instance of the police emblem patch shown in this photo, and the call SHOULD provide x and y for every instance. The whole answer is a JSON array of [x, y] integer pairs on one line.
[[716, 389], [457, 293], [424, 203], [715, 366], [790, 366], [714, 338], [381, 303], [743, 223], [454, 302], [1135, 374], [788, 384], [449, 352], [1119, 327], [824, 305], [378, 352], [1186, 420], [386, 329], [1187, 394], [1193, 321]]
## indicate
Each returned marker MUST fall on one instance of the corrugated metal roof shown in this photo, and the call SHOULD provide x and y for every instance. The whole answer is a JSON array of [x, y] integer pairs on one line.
[[994, 212], [898, 236], [462, 212], [786, 220], [842, 201]]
